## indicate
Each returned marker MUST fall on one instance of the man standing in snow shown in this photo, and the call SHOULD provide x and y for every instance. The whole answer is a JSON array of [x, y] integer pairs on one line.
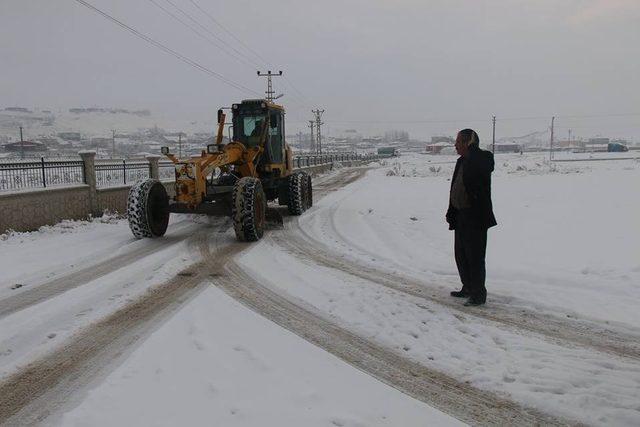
[[470, 214]]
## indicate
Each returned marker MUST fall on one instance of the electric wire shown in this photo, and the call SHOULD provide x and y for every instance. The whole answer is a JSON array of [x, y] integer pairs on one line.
[[301, 96], [168, 50], [195, 21], [204, 37], [230, 33], [245, 59]]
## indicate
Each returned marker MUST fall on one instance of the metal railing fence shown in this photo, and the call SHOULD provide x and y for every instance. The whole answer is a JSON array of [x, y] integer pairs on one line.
[[110, 174], [303, 161], [166, 170], [22, 175], [40, 174]]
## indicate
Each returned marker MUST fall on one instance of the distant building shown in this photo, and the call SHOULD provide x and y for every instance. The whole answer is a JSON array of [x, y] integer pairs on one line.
[[101, 142], [616, 147], [18, 110], [25, 146], [387, 152], [436, 148], [396, 135], [508, 147], [437, 139], [70, 136], [598, 141]]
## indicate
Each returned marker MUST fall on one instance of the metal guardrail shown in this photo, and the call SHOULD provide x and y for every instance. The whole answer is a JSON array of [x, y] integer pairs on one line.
[[110, 174], [40, 174], [320, 159], [21, 175], [166, 170]]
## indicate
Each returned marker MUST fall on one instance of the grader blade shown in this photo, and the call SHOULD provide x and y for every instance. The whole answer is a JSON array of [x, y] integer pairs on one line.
[[274, 219]]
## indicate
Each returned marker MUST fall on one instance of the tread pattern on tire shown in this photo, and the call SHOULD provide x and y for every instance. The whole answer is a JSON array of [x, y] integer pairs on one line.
[[297, 198], [137, 209], [309, 191], [243, 210]]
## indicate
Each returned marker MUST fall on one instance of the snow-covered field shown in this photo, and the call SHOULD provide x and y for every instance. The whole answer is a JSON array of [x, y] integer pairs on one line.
[[567, 240], [567, 243], [567, 246]]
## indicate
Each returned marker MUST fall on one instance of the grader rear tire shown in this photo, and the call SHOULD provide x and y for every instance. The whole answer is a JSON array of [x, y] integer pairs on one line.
[[300, 197], [309, 189], [248, 209], [148, 209]]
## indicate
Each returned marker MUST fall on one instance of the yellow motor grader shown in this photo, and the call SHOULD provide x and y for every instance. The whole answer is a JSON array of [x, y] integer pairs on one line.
[[236, 179]]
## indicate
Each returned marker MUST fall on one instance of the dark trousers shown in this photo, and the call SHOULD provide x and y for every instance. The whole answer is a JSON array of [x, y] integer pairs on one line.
[[470, 249]]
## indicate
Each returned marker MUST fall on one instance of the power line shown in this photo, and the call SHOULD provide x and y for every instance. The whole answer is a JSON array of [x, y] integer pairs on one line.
[[230, 33], [168, 50], [193, 29], [195, 21], [478, 120], [303, 101]]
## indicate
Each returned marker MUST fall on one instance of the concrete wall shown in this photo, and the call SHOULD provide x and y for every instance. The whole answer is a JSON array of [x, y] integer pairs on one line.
[[29, 210], [114, 199]]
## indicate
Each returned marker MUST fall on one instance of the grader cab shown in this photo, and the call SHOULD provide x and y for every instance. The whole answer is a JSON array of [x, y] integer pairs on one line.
[[236, 179]]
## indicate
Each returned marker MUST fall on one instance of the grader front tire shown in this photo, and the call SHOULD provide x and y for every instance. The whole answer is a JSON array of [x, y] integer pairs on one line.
[[148, 209], [300, 197], [248, 209]]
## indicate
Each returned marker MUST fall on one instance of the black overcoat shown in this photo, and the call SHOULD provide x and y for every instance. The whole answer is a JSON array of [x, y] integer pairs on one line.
[[476, 174]]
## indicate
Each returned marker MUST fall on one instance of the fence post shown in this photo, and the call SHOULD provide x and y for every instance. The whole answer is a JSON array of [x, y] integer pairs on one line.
[[44, 178], [154, 166], [124, 171], [89, 169]]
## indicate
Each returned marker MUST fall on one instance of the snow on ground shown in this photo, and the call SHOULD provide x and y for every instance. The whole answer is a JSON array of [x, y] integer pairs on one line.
[[575, 383], [52, 250], [33, 259], [218, 363], [567, 240]]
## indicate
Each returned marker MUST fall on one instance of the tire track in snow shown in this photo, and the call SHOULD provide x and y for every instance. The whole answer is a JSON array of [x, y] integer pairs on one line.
[[36, 391], [556, 329], [59, 285], [459, 399]]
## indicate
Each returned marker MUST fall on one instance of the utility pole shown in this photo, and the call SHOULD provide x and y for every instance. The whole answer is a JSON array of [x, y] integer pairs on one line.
[[494, 136], [551, 141], [312, 145], [319, 122], [113, 143], [179, 145], [270, 91], [21, 144], [569, 137]]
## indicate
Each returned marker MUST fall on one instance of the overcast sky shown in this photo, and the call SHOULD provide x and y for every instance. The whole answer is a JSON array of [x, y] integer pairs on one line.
[[371, 64]]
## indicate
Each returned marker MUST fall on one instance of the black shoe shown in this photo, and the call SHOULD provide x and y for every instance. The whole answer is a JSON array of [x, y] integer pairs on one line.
[[459, 294], [473, 302]]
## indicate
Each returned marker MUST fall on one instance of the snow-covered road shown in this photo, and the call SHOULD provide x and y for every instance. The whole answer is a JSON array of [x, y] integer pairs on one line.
[[99, 329]]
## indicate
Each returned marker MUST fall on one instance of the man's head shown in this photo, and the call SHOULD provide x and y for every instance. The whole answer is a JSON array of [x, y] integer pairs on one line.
[[466, 138]]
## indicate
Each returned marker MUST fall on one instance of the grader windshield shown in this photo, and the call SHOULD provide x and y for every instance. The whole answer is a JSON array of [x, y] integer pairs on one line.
[[250, 129], [253, 119]]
